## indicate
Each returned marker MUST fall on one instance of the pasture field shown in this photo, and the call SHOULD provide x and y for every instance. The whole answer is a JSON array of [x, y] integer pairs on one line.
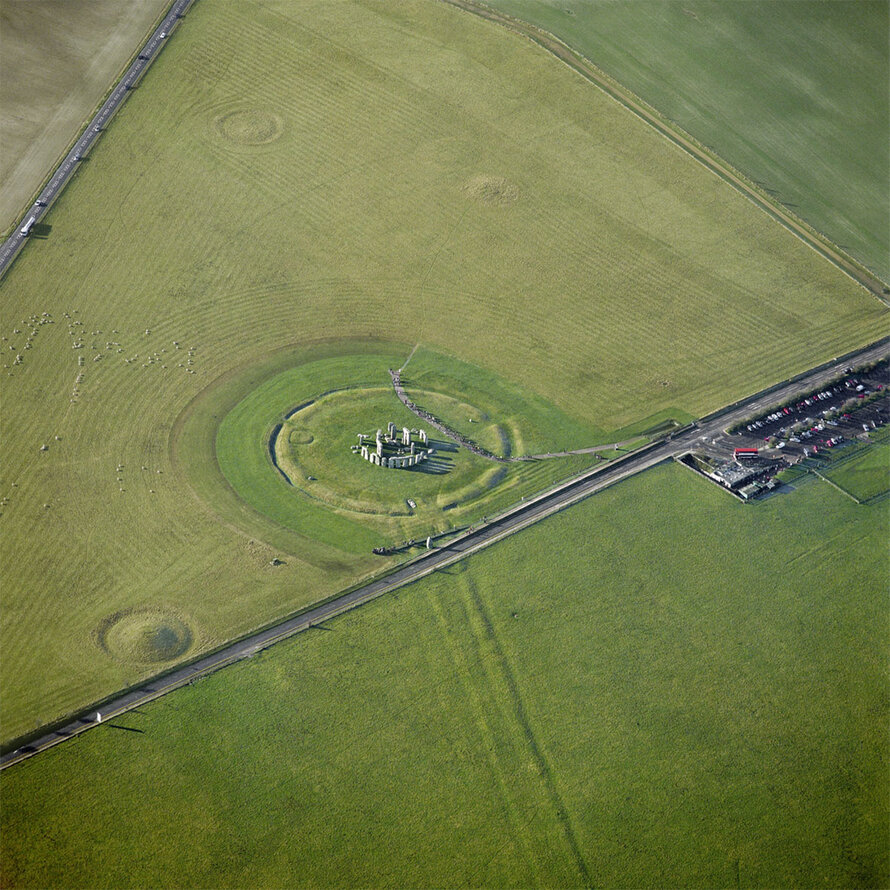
[[640, 691], [794, 94], [302, 175], [532, 424], [57, 58], [866, 475]]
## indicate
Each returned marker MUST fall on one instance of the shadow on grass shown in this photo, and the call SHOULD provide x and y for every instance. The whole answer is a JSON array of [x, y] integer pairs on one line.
[[432, 467], [440, 463]]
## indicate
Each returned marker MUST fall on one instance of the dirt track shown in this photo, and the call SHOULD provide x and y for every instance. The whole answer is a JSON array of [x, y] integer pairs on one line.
[[588, 70]]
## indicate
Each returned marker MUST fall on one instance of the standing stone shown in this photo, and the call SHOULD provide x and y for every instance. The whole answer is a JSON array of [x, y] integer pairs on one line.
[[365, 452], [406, 435], [391, 429], [412, 448], [422, 437]]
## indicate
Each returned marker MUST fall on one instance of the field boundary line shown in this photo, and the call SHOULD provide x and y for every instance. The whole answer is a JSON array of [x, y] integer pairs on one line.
[[116, 78], [579, 63], [844, 491]]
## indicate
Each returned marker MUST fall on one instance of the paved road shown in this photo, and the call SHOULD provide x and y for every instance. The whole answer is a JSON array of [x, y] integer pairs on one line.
[[474, 539], [588, 70], [75, 156]]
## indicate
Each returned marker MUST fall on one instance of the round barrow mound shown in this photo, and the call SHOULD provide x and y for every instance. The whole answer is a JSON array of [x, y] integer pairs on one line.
[[147, 636], [249, 127], [492, 190]]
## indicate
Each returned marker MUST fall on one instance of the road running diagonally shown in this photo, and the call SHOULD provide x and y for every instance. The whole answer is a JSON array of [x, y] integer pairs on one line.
[[476, 538], [10, 248]]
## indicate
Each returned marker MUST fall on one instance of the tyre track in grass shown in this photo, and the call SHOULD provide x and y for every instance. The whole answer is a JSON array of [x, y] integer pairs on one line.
[[476, 538], [521, 719], [716, 165]]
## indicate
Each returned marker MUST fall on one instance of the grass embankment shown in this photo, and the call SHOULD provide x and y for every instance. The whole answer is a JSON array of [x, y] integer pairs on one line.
[[313, 171], [640, 691], [335, 497], [793, 94]]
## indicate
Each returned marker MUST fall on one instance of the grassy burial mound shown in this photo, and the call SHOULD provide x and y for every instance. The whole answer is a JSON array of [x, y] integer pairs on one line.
[[641, 691], [311, 173], [794, 94]]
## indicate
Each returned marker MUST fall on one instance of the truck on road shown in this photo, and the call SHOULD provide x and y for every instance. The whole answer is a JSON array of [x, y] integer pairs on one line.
[[26, 228]]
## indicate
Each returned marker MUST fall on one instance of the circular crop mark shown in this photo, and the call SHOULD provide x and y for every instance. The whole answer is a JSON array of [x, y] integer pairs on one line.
[[250, 127], [493, 190], [146, 636]]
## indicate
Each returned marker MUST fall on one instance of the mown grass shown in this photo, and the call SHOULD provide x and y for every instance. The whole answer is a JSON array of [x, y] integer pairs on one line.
[[793, 94], [641, 691], [866, 475], [336, 498], [615, 280]]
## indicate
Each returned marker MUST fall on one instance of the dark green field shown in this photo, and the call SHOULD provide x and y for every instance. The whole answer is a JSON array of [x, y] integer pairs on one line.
[[642, 691], [794, 94]]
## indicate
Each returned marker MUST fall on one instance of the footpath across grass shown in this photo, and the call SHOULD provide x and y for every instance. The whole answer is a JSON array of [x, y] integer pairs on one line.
[[643, 690]]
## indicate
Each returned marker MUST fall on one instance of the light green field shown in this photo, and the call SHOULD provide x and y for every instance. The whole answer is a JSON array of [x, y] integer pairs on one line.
[[642, 691], [310, 173], [794, 94], [866, 475]]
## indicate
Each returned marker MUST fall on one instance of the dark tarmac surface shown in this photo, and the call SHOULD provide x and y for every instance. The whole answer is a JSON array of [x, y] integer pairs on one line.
[[79, 151]]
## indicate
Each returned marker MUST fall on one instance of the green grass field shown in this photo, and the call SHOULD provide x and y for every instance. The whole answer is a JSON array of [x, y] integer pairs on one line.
[[643, 690], [794, 94], [866, 475], [292, 176]]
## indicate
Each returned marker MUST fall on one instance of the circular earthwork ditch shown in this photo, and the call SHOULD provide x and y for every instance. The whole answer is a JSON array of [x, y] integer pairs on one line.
[[144, 636], [250, 126]]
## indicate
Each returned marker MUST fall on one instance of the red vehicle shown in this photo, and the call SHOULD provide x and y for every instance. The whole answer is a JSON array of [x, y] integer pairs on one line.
[[745, 452]]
